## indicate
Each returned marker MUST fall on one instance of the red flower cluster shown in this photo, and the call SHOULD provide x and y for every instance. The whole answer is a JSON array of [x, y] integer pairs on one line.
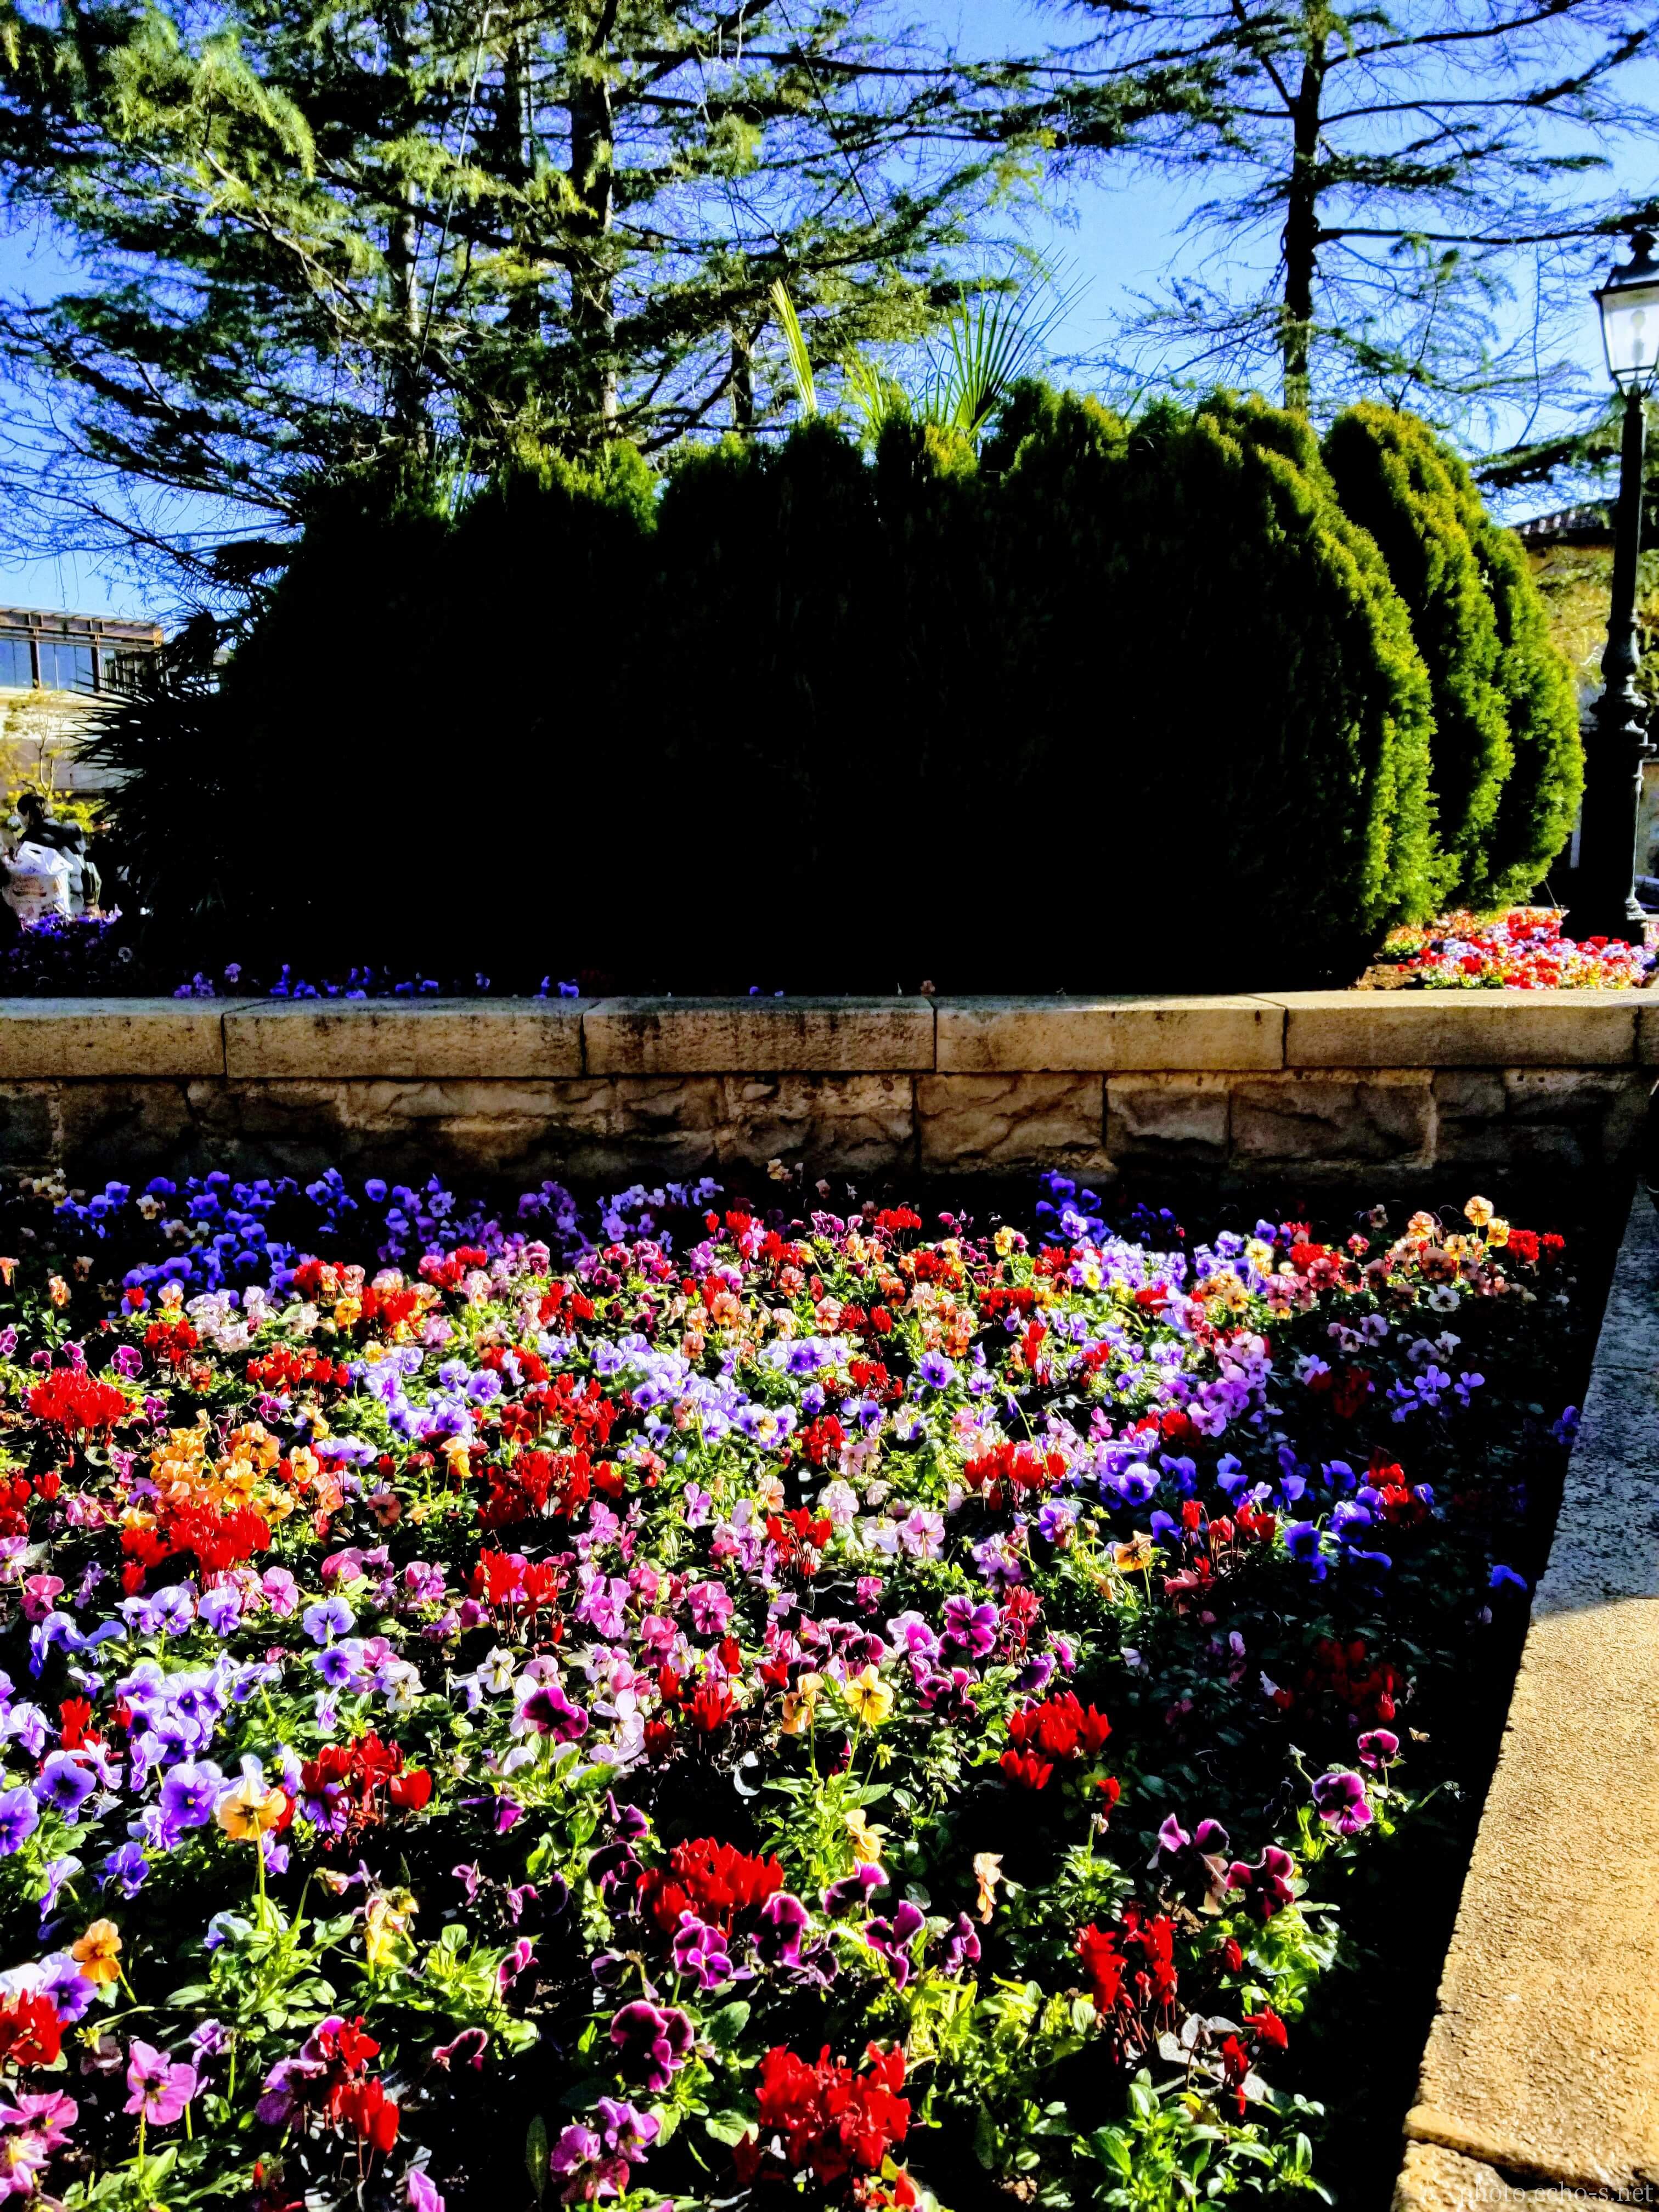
[[511, 1584], [821, 1440], [1016, 1466], [219, 1539], [282, 1368], [1348, 1676], [31, 2034], [353, 2096], [172, 1338], [450, 1272], [894, 1220], [831, 2121], [71, 1400], [716, 1881], [1130, 1970], [581, 1407], [390, 1308], [1060, 1728], [1266, 2027], [544, 1482], [358, 1771], [800, 1537], [1347, 1387]]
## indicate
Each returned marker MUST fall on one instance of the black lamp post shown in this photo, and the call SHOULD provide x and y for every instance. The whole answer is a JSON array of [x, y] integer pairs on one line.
[[1604, 884]]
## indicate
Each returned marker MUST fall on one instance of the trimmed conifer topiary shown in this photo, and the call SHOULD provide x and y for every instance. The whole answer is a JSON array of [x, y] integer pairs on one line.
[[1508, 766]]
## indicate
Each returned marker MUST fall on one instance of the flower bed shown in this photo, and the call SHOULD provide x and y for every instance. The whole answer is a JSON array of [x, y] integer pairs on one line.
[[1523, 950], [1520, 950], [736, 1707]]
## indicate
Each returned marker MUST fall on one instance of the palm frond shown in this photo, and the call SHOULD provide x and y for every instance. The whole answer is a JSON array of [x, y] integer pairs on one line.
[[989, 345], [794, 339], [878, 398]]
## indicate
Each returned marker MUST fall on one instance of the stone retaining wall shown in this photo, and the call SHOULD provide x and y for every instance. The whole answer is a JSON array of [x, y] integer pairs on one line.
[[1318, 1083]]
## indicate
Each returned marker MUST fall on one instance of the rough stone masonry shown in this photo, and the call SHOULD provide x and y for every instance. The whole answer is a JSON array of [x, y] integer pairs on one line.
[[1320, 1084]]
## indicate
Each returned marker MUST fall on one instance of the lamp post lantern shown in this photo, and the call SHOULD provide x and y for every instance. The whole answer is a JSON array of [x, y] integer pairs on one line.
[[1604, 902]]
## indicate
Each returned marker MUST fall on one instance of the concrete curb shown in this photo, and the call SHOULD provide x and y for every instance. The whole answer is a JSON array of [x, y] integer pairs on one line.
[[1542, 2066]]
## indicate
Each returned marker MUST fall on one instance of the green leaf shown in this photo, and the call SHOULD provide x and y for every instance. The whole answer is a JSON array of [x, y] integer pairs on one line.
[[1111, 2147], [794, 339], [723, 2028], [536, 2155], [727, 2127]]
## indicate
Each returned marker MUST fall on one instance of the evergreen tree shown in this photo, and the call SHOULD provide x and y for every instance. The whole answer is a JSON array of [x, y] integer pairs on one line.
[[1394, 480], [1539, 802], [1507, 763], [1397, 152], [322, 233]]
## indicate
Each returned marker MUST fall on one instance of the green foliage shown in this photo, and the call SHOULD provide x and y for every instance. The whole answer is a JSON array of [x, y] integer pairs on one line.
[[986, 346], [1154, 666], [468, 233], [1258, 715], [1409, 160], [1507, 765], [1392, 477], [456, 727], [1539, 802]]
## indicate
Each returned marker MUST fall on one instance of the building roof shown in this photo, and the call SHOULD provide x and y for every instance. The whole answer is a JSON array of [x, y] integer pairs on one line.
[[1569, 526], [43, 622]]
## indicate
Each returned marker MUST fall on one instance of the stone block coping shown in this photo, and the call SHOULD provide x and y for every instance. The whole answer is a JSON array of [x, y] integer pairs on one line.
[[1542, 2066], [495, 1039]]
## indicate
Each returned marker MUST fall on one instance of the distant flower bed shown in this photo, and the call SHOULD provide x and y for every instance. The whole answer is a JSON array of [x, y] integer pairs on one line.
[[1520, 950], [727, 1708], [73, 954]]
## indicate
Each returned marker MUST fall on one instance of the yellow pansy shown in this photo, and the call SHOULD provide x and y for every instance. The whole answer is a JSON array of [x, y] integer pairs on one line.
[[386, 1929], [866, 1841], [870, 1698], [249, 1809]]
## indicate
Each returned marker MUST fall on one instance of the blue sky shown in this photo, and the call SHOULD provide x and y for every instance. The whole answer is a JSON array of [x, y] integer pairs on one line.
[[1109, 240]]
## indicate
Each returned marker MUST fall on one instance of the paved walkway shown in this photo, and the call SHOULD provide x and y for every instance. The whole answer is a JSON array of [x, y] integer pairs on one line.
[[1542, 2075]]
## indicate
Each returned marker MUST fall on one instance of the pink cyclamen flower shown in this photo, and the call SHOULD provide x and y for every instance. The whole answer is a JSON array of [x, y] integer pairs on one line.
[[515, 1961], [421, 2191], [160, 2087]]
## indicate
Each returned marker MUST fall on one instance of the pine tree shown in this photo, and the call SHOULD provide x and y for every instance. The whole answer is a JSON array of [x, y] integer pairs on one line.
[[448, 235], [1399, 153]]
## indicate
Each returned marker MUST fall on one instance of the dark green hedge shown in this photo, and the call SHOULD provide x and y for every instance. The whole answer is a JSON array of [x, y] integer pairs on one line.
[[1113, 706], [1507, 762]]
